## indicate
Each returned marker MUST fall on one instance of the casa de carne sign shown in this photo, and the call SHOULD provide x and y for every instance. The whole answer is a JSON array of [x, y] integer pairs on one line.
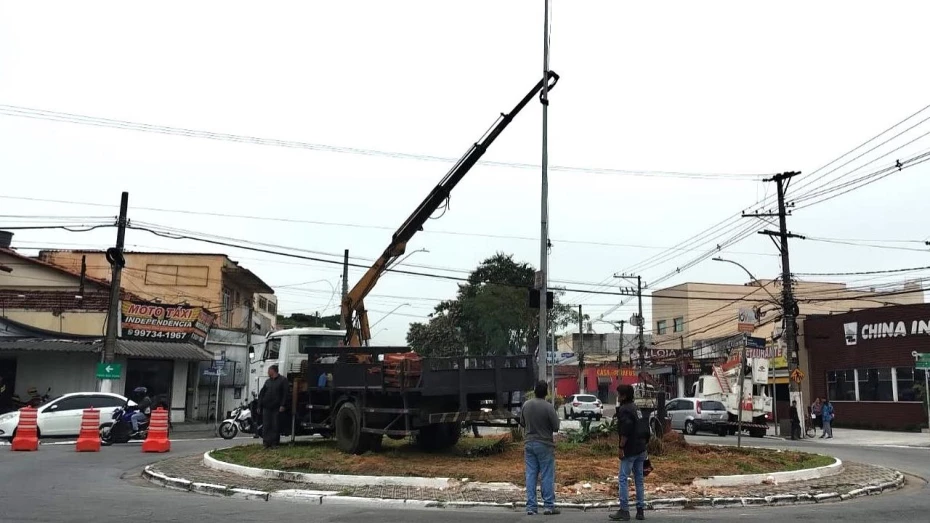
[[854, 332], [160, 322]]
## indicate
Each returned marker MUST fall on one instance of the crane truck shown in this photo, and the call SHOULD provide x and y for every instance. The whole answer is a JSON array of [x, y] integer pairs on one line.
[[723, 385], [359, 394]]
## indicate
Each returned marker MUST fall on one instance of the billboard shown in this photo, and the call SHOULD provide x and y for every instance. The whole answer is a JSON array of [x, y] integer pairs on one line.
[[159, 322]]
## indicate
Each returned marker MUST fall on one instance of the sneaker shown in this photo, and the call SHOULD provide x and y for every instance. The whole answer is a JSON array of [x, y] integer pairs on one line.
[[551, 512], [530, 512], [639, 514], [620, 515]]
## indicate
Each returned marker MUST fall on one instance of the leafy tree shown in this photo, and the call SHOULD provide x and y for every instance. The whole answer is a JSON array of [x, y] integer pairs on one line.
[[490, 314], [309, 320]]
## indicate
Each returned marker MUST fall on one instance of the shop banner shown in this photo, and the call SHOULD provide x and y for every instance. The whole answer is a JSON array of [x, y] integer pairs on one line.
[[159, 322]]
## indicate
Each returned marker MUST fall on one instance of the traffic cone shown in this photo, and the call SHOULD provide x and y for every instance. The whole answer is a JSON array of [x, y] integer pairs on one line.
[[157, 440], [27, 430], [89, 438]]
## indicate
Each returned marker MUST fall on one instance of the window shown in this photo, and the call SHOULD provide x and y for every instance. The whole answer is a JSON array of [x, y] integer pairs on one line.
[[841, 385], [272, 307], [678, 324], [685, 405], [906, 384], [585, 398], [73, 403], [262, 303], [662, 327], [307, 341], [712, 405], [875, 385], [227, 306], [672, 405], [237, 392], [177, 275], [100, 402], [272, 349]]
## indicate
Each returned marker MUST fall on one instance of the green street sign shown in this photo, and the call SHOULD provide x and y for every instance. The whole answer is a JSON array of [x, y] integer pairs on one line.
[[923, 360], [109, 371]]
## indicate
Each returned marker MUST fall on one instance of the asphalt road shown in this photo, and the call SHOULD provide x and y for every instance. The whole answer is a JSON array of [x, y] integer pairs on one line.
[[57, 484]]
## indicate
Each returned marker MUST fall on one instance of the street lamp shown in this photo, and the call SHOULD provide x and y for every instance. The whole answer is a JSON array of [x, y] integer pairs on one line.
[[409, 254], [388, 314], [740, 265]]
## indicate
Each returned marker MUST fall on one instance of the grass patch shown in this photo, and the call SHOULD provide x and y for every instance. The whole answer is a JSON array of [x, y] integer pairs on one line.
[[500, 459]]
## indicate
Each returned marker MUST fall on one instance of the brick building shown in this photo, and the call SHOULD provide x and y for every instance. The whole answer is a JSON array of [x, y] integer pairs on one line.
[[862, 361]]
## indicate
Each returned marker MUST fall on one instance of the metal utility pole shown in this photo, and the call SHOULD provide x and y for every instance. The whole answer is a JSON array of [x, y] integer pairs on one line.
[[345, 285], [117, 261], [788, 304], [544, 210], [581, 387]]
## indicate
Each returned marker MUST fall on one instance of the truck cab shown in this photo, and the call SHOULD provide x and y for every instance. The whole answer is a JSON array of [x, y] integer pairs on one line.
[[288, 350], [723, 386]]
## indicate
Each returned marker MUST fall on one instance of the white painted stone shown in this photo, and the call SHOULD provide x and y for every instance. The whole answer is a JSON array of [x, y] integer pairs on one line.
[[779, 477]]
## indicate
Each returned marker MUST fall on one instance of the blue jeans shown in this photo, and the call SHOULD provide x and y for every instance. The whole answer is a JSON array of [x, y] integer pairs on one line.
[[137, 417], [632, 464], [540, 461]]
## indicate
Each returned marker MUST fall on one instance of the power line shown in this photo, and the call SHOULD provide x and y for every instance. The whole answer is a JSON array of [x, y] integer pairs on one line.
[[862, 273], [56, 116]]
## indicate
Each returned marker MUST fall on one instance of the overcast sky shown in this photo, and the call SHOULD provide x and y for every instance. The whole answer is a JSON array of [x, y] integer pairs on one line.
[[720, 89]]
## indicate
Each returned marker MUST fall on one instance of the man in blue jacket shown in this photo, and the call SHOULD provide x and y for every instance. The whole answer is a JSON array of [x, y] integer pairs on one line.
[[828, 415]]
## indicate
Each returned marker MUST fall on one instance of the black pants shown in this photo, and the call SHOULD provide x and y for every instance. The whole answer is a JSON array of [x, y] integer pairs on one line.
[[795, 429], [270, 432]]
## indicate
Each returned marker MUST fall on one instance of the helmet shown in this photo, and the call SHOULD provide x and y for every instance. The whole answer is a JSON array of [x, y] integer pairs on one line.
[[140, 390]]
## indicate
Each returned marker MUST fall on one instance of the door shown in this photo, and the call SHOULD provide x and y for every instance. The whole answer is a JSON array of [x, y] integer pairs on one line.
[[7, 384], [155, 375], [63, 416], [670, 410]]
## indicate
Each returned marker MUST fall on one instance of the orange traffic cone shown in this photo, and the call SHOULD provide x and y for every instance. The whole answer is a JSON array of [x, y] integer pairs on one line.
[[27, 430], [157, 440], [89, 438]]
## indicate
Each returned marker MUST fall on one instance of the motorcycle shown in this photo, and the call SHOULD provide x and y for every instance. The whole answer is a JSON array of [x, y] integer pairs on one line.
[[120, 429], [34, 401], [240, 419]]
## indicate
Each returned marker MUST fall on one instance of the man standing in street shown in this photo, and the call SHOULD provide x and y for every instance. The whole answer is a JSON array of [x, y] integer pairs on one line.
[[795, 421], [271, 400], [634, 434], [540, 421]]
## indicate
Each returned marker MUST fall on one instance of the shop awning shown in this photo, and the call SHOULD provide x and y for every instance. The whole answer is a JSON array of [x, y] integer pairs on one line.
[[46, 345], [162, 350]]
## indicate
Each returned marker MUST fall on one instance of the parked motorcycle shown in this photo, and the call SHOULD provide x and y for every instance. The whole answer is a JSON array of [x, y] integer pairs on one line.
[[240, 419], [120, 429], [34, 400]]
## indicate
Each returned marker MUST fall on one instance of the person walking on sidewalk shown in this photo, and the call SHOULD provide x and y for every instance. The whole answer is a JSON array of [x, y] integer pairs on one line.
[[827, 413], [817, 414], [634, 434], [271, 400], [795, 421], [540, 421]]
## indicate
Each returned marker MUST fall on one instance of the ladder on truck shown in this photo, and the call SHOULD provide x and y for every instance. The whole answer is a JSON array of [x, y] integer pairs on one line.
[[722, 380]]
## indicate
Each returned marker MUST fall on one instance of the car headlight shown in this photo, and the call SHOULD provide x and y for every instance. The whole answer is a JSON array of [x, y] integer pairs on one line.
[[8, 416]]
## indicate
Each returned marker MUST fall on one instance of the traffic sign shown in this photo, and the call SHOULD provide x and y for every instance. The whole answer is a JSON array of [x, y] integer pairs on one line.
[[109, 371], [797, 376], [923, 360], [755, 343]]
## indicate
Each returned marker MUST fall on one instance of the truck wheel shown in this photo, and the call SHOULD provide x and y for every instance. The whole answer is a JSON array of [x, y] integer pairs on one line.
[[690, 428], [757, 433], [438, 436], [348, 425]]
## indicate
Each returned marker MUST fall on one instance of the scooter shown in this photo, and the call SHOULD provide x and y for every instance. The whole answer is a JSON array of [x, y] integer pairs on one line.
[[240, 419], [120, 429]]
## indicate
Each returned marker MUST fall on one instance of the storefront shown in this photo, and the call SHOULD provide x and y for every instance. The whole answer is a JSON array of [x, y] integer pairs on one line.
[[862, 361], [600, 380]]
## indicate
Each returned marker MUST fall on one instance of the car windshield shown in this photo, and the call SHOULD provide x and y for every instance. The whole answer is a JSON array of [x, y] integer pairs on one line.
[[586, 399]]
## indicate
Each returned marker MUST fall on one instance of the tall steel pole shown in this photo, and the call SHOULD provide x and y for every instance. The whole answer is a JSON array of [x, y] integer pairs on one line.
[[345, 285], [544, 210], [115, 257]]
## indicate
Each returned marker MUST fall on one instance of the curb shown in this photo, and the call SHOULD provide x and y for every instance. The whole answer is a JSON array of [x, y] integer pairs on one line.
[[324, 479], [318, 497], [782, 477]]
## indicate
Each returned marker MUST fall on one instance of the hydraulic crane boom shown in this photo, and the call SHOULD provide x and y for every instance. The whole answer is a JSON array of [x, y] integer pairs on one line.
[[353, 307]]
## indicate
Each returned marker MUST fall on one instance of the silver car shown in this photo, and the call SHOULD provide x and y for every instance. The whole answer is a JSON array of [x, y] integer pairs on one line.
[[583, 406], [691, 415]]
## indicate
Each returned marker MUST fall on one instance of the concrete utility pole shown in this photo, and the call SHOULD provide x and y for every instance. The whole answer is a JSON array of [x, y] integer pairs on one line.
[[620, 354], [640, 321], [581, 387], [248, 345], [742, 386], [541, 351], [345, 285], [117, 261], [788, 304]]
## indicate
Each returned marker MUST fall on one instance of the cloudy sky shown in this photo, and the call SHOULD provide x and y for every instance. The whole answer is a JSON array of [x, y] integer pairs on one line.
[[665, 120]]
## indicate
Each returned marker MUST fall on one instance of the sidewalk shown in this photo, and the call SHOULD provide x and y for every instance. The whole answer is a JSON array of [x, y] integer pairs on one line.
[[871, 438]]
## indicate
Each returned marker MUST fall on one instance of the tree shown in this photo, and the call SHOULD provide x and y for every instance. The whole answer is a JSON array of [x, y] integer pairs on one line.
[[490, 314], [309, 320]]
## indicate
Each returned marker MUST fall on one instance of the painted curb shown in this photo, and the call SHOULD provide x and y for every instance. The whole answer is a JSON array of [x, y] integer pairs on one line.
[[324, 479], [780, 477], [317, 497]]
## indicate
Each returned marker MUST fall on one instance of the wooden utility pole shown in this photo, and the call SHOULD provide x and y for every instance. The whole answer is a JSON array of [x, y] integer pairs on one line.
[[117, 261]]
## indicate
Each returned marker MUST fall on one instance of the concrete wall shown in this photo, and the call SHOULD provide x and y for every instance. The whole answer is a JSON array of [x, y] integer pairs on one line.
[[28, 276], [63, 372], [90, 323]]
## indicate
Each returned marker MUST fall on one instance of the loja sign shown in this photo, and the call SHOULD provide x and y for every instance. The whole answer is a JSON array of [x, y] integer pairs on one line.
[[892, 329]]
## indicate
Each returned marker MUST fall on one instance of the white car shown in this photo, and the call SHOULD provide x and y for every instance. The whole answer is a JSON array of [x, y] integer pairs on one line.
[[583, 405], [62, 416]]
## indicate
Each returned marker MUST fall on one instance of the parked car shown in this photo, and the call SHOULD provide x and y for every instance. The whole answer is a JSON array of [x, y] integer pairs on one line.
[[62, 416], [691, 415], [582, 405]]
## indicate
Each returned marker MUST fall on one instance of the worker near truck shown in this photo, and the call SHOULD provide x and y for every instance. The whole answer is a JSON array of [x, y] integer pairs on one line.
[[633, 429], [540, 422], [795, 421], [271, 400]]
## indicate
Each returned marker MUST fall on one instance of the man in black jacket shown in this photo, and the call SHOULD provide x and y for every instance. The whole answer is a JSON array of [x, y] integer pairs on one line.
[[634, 434], [795, 421], [271, 400]]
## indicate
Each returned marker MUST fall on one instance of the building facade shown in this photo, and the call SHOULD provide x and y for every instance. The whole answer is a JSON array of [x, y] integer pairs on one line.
[[862, 361]]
